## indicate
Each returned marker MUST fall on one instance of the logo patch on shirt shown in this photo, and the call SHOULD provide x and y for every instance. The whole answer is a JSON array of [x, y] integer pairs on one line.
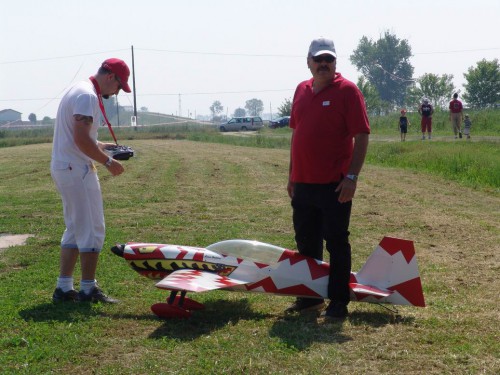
[[326, 103]]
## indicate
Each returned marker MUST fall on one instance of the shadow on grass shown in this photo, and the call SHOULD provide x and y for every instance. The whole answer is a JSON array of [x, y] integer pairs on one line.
[[300, 331], [62, 312], [217, 314], [378, 318], [294, 331]]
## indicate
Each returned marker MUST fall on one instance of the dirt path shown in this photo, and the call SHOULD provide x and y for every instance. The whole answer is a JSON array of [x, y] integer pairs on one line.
[[8, 240]]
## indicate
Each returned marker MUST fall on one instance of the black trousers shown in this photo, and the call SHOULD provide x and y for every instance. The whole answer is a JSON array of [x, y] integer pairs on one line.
[[318, 216]]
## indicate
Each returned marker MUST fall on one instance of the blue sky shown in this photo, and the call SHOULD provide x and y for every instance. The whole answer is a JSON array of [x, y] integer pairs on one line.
[[226, 50]]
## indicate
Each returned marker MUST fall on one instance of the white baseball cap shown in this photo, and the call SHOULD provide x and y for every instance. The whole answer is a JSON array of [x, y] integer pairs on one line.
[[321, 46]]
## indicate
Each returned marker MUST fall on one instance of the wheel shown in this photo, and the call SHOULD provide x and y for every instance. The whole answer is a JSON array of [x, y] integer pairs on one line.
[[244, 129], [222, 129], [166, 311]]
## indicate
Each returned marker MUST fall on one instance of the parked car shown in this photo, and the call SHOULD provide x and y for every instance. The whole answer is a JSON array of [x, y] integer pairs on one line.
[[280, 122], [242, 123]]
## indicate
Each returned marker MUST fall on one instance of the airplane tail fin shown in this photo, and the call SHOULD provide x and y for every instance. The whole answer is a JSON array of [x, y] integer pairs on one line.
[[390, 275]]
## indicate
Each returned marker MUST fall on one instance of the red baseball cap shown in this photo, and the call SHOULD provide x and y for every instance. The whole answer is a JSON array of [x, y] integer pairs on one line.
[[121, 70]]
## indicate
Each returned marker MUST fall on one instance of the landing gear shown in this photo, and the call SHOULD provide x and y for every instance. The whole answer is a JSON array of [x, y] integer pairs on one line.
[[178, 307]]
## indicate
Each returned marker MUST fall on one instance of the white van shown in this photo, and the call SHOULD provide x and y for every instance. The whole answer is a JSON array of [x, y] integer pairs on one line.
[[242, 123]]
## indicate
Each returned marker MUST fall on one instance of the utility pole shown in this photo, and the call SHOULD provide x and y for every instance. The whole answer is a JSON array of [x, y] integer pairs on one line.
[[180, 108], [134, 119]]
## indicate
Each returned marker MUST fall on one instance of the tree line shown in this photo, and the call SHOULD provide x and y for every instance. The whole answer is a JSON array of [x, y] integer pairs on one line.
[[387, 81], [253, 107]]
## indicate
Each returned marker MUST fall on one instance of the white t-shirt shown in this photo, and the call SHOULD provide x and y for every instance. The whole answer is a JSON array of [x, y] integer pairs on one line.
[[80, 99]]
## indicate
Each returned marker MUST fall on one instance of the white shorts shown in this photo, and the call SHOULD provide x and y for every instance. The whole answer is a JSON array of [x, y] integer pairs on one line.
[[82, 206]]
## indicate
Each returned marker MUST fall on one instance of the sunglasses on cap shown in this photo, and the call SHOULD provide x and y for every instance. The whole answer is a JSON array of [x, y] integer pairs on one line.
[[326, 58]]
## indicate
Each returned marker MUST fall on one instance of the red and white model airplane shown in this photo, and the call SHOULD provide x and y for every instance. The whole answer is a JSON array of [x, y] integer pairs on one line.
[[390, 275]]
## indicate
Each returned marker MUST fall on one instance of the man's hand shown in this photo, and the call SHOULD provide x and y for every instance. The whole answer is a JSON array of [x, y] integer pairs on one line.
[[115, 168], [290, 188], [106, 145], [347, 188]]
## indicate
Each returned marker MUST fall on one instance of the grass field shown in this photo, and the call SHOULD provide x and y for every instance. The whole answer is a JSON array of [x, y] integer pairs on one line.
[[196, 193]]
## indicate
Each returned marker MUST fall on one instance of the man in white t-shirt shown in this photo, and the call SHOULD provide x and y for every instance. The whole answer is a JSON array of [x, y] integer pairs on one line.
[[75, 150]]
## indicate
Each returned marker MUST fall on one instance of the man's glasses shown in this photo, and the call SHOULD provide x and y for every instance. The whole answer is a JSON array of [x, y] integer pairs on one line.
[[119, 82], [326, 58]]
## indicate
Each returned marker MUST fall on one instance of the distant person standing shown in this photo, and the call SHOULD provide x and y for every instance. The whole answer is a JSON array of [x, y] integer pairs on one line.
[[426, 110], [403, 125], [467, 126], [74, 152], [456, 115]]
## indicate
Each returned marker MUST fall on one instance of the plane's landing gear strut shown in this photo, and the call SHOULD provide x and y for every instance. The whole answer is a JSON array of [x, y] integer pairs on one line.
[[179, 307]]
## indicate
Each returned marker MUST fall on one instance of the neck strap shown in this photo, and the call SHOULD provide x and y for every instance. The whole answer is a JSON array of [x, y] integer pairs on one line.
[[101, 105]]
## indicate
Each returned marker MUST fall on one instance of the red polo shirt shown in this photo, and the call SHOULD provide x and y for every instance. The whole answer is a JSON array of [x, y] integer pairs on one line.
[[324, 126]]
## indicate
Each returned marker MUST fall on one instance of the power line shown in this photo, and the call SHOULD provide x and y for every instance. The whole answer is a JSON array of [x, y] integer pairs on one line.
[[166, 94], [59, 57], [221, 54], [217, 53], [64, 89], [458, 51], [218, 92]]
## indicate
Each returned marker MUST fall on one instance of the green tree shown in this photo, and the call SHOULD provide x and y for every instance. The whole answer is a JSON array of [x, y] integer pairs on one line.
[[482, 89], [239, 112], [438, 89], [285, 109], [46, 120], [385, 64], [374, 105], [32, 118], [254, 107], [216, 108]]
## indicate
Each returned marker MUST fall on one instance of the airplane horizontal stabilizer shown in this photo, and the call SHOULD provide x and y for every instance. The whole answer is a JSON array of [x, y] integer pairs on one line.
[[362, 291], [197, 281]]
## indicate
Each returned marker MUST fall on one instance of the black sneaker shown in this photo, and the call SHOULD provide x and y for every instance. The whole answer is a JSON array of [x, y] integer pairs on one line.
[[305, 304], [335, 310], [60, 296], [96, 295], [460, 135]]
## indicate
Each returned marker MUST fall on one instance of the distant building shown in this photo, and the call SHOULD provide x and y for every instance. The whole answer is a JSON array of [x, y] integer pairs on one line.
[[9, 116]]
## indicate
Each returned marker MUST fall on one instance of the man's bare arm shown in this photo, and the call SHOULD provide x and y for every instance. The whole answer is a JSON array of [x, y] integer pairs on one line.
[[83, 125], [347, 187]]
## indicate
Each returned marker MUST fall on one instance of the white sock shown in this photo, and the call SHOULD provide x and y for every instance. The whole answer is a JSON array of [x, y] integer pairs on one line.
[[65, 283], [87, 285]]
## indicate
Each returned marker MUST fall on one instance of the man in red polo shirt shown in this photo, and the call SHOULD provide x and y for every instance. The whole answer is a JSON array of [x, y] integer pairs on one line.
[[456, 115], [328, 148]]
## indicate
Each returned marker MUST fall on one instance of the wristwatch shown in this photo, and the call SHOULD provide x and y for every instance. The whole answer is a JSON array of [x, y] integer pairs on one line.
[[108, 162], [352, 177]]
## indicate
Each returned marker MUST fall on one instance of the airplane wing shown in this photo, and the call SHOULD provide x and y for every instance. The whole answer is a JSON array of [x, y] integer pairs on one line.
[[197, 281]]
